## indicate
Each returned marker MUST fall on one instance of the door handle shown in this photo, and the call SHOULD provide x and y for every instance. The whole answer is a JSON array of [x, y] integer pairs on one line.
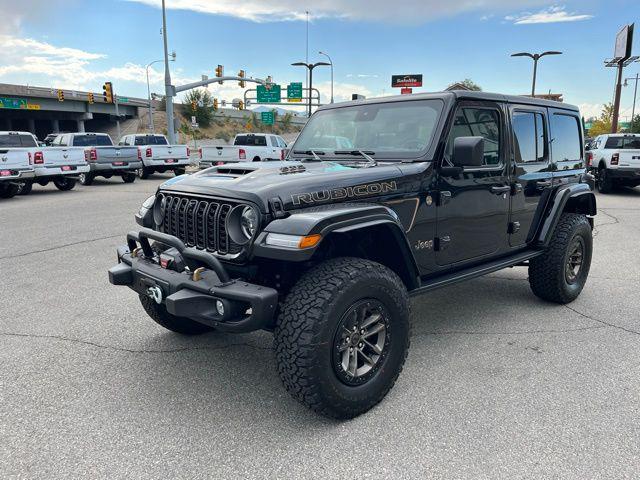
[[543, 184], [501, 190]]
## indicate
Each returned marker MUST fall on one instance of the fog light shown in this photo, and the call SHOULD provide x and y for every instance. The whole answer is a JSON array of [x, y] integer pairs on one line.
[[220, 307]]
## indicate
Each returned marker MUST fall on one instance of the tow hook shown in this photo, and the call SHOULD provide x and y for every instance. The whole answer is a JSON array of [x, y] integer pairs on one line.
[[155, 293]]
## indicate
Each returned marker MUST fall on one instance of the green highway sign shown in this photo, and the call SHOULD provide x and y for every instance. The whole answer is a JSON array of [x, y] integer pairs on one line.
[[123, 100], [294, 92], [269, 95], [13, 103], [268, 118]]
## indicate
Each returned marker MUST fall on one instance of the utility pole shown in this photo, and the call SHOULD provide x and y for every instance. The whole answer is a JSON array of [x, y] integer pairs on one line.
[[168, 89], [535, 57], [151, 125]]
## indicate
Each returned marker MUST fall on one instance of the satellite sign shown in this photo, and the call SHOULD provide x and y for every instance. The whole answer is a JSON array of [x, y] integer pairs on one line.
[[624, 41]]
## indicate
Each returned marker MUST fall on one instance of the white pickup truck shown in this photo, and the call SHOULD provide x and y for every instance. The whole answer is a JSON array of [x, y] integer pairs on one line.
[[615, 160], [60, 165], [104, 159], [16, 161], [247, 147], [157, 155]]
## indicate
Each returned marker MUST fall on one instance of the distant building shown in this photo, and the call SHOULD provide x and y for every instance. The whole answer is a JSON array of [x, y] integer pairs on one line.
[[556, 97], [457, 86]]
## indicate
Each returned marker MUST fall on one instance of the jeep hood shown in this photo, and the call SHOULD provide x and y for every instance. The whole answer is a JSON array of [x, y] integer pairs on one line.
[[296, 184]]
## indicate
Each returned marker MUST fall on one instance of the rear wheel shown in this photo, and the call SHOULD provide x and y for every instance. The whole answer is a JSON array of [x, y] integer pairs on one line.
[[159, 314], [179, 171], [129, 177], [342, 336], [86, 178], [256, 159], [143, 173], [8, 190], [64, 183], [559, 274], [605, 182], [25, 188]]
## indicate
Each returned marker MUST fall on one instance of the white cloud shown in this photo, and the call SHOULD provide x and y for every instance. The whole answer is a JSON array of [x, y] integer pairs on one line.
[[588, 110], [361, 75], [552, 14], [400, 11]]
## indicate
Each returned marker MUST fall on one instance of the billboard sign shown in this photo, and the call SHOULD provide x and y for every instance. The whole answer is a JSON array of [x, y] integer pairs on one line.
[[411, 80], [624, 40]]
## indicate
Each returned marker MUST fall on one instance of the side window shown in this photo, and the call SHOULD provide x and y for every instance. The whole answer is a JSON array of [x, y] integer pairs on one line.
[[64, 140], [565, 131], [478, 122], [282, 143], [530, 137], [273, 141]]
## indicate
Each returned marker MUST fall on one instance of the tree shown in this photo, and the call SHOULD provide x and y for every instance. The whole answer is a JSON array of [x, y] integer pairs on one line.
[[603, 124], [468, 83], [203, 110], [635, 125]]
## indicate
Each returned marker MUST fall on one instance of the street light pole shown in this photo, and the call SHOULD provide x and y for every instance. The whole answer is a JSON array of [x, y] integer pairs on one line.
[[331, 63], [635, 93], [310, 67], [167, 81], [535, 57], [173, 59]]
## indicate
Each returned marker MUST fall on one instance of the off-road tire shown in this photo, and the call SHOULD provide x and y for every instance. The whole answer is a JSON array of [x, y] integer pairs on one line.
[[307, 325], [179, 171], [64, 184], [143, 173], [547, 275], [25, 188], [159, 314], [129, 177], [605, 182], [86, 179], [8, 190]]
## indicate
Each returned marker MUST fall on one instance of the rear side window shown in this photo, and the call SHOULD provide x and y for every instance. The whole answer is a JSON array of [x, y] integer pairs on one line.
[[250, 140], [619, 143], [17, 141], [530, 137], [565, 130], [151, 140], [91, 140], [274, 141]]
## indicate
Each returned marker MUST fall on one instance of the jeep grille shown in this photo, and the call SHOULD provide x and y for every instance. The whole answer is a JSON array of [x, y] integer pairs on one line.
[[199, 223]]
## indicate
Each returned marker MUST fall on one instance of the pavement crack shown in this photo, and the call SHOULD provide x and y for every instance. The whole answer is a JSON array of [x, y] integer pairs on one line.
[[612, 325], [513, 332], [130, 350], [61, 246], [615, 219]]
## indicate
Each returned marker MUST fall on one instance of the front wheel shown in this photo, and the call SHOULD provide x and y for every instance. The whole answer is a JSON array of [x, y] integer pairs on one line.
[[159, 314], [342, 336], [129, 177], [143, 173], [64, 183], [559, 274]]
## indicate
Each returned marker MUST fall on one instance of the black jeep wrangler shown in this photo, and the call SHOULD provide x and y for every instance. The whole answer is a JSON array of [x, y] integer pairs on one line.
[[378, 201]]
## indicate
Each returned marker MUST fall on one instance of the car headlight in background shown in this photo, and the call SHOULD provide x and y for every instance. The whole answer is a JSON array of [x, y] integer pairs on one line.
[[242, 224]]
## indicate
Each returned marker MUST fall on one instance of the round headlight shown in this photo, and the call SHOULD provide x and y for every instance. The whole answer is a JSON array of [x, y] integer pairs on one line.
[[242, 224]]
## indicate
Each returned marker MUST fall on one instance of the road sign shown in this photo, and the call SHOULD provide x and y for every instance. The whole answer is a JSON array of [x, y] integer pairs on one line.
[[268, 118], [123, 100], [193, 119], [269, 94], [13, 103], [410, 80], [406, 91], [294, 92]]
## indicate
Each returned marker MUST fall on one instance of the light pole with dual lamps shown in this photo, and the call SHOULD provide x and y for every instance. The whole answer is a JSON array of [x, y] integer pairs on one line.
[[310, 67], [172, 59], [330, 63], [535, 57]]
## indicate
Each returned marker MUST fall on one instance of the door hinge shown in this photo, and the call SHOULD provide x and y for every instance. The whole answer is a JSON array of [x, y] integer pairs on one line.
[[441, 243], [444, 197]]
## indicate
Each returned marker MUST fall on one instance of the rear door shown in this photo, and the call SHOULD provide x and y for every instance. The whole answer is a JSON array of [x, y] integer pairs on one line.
[[531, 172], [473, 209], [16, 153]]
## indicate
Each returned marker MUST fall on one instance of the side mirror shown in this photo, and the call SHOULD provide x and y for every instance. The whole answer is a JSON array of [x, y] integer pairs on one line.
[[468, 152]]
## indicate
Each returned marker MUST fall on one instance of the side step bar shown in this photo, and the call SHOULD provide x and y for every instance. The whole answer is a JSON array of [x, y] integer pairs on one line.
[[473, 272]]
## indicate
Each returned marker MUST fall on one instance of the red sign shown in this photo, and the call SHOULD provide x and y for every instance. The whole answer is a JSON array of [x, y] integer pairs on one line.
[[412, 80], [406, 91]]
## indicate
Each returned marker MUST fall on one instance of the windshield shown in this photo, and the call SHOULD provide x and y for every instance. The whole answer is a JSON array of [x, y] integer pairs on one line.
[[92, 140], [389, 130], [16, 141], [151, 140]]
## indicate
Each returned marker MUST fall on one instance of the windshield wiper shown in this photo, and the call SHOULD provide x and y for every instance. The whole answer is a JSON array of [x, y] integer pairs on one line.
[[309, 152], [367, 155]]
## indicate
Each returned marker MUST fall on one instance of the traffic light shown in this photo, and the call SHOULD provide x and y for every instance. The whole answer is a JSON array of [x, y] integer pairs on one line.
[[242, 83], [194, 105], [215, 104], [240, 105], [91, 99], [220, 72], [107, 89], [60, 96]]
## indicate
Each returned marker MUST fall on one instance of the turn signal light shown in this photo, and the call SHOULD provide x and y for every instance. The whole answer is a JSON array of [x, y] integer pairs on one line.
[[309, 241], [38, 158], [242, 154], [615, 158]]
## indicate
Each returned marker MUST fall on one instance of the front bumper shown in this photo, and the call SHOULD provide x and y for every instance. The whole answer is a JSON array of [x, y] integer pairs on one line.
[[247, 307], [627, 173], [111, 168]]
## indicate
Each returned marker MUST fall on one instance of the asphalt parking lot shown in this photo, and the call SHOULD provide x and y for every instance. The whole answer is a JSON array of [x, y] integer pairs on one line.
[[498, 384]]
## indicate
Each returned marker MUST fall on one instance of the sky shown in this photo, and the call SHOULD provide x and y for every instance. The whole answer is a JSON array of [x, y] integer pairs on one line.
[[75, 44]]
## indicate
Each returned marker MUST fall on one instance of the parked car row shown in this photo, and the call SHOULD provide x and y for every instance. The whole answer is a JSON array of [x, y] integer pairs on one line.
[[71, 157], [615, 160]]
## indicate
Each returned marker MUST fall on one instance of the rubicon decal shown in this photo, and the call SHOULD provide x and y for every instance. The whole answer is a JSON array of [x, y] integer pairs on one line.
[[343, 193]]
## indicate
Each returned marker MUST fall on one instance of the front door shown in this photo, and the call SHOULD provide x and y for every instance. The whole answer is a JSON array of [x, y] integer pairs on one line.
[[473, 206]]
